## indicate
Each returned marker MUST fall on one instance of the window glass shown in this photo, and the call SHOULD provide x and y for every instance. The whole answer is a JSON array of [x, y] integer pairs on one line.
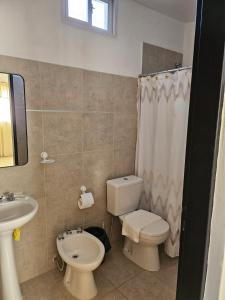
[[78, 9], [100, 14]]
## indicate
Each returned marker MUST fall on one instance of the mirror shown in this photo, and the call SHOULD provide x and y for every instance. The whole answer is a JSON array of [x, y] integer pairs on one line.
[[13, 127]]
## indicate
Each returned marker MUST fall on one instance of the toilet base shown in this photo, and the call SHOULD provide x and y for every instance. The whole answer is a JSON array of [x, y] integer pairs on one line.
[[145, 256], [80, 284]]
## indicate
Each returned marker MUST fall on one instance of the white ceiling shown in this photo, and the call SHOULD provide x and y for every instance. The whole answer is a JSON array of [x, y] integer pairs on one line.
[[182, 10]]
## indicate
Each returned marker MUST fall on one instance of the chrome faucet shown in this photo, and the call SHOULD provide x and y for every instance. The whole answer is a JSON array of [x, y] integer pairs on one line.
[[79, 229], [7, 196]]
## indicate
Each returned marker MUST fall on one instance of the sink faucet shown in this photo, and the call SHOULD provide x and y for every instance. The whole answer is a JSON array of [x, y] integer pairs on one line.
[[7, 196]]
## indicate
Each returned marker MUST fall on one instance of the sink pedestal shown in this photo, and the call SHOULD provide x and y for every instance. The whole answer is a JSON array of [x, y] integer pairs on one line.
[[10, 283]]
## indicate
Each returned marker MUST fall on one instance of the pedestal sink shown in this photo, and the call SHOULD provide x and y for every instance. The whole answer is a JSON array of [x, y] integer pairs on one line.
[[13, 214]]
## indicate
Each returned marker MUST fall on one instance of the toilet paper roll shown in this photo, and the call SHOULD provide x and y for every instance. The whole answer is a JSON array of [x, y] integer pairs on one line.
[[86, 200]]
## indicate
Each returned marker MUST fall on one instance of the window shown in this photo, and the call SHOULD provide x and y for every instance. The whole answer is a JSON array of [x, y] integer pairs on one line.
[[92, 14]]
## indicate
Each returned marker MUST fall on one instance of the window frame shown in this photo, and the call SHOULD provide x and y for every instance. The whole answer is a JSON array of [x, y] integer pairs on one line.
[[88, 25]]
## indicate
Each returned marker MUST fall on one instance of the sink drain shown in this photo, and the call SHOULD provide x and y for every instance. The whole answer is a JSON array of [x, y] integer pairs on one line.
[[75, 256]]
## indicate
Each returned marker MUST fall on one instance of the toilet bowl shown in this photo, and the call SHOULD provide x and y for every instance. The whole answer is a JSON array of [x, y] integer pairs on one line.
[[83, 253], [123, 197], [145, 253]]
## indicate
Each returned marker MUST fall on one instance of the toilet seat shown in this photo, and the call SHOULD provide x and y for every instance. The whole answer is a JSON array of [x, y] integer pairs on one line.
[[157, 226]]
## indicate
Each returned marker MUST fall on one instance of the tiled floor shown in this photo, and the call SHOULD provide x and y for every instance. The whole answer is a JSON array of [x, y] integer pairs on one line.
[[117, 279]]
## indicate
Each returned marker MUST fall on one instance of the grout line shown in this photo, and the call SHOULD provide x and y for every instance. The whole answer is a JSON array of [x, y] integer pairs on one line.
[[69, 111]]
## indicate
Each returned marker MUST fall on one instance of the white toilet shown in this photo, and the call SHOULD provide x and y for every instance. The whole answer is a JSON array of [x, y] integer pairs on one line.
[[83, 253], [123, 196]]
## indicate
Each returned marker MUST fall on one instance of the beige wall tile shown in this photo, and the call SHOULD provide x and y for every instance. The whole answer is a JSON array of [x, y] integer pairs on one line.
[[97, 168], [62, 132], [98, 92], [31, 260], [124, 162], [35, 230], [156, 59], [98, 131], [61, 87], [125, 94], [35, 132], [125, 131], [28, 179], [63, 178], [90, 132], [29, 70]]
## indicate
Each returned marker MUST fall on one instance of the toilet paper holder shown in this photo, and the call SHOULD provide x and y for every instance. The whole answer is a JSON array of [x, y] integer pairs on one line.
[[86, 200], [83, 189]]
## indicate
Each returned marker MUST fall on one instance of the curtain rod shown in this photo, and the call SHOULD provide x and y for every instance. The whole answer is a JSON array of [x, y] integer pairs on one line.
[[167, 71]]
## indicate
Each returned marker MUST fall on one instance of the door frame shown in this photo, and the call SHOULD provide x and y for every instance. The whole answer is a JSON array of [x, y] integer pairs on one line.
[[202, 148]]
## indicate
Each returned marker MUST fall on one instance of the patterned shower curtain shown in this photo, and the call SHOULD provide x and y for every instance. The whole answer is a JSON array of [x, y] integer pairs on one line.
[[163, 104]]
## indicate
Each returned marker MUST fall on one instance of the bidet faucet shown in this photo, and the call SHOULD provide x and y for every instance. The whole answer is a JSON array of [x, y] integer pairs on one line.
[[7, 196], [79, 229]]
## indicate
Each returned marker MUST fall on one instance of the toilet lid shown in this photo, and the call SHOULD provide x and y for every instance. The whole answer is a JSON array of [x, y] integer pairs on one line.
[[156, 228]]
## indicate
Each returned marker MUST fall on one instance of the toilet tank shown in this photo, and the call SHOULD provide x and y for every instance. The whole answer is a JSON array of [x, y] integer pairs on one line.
[[123, 194]]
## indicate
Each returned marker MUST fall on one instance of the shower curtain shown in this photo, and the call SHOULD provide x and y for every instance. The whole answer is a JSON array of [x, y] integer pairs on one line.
[[163, 104]]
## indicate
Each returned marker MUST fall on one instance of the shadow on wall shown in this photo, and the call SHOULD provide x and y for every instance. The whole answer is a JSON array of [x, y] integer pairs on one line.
[[156, 59]]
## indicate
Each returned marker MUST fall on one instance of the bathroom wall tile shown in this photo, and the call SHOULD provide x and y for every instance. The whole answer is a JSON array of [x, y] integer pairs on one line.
[[61, 87], [63, 178], [92, 140], [35, 230], [98, 92], [124, 162], [55, 221], [156, 59], [74, 217], [29, 70], [31, 260], [62, 132], [51, 252], [98, 131], [116, 230], [24, 271], [125, 131], [97, 168], [34, 132], [125, 94], [27, 179]]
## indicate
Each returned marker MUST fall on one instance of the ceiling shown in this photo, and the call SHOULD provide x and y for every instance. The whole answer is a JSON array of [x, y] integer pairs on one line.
[[182, 10]]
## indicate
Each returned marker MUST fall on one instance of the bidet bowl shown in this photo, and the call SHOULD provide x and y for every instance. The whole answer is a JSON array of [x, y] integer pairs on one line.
[[83, 253]]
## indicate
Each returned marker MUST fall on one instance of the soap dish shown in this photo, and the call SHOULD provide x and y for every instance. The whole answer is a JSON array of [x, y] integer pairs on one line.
[[45, 160]]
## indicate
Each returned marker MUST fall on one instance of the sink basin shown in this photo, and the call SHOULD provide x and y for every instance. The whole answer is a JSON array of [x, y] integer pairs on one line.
[[17, 213], [13, 214]]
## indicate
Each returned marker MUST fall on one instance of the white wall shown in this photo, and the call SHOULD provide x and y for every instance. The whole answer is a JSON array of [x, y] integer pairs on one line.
[[215, 288], [35, 30], [188, 44]]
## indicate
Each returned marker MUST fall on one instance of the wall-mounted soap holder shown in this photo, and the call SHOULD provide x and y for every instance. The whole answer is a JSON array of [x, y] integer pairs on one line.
[[45, 159]]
